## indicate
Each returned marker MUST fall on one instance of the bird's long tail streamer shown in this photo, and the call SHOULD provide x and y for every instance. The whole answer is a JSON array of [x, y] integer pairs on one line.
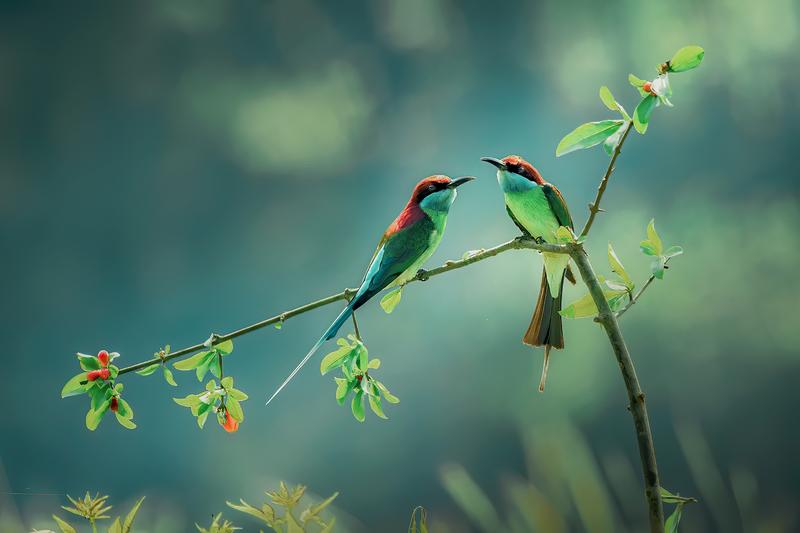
[[329, 334]]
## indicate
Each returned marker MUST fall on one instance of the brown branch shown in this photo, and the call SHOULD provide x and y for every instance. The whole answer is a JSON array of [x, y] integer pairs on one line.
[[594, 207], [636, 399]]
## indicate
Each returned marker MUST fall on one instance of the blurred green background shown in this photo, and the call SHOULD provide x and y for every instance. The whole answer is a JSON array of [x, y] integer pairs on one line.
[[173, 168]]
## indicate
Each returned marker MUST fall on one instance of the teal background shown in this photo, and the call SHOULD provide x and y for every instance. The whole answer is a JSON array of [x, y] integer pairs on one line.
[[173, 168]]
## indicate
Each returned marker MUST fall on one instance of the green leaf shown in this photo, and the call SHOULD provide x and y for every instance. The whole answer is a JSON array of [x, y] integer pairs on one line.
[[335, 359], [168, 377], [363, 357], [673, 251], [565, 235], [611, 103], [657, 266], [636, 82], [342, 388], [201, 418], [116, 527], [278, 325], [146, 371], [76, 385], [125, 422], [388, 396], [189, 401], [94, 416], [236, 394], [391, 299], [686, 58], [227, 382], [584, 307], [64, 526], [588, 135], [671, 525], [214, 365], [235, 409], [374, 364], [357, 406], [641, 115], [99, 394], [225, 347], [88, 362], [616, 286], [124, 409], [375, 405], [653, 237], [617, 268], [192, 362], [647, 248], [128, 524]]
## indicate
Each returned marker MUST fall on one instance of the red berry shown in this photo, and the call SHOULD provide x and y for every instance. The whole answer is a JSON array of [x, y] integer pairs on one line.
[[103, 356], [92, 375], [647, 87], [103, 373], [360, 377], [230, 425], [114, 404]]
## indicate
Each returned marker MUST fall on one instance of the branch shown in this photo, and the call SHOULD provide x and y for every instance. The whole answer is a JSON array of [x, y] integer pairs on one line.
[[638, 295], [520, 243], [636, 406], [594, 207]]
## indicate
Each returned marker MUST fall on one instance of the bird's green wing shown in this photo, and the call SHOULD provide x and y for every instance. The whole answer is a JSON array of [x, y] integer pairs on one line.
[[558, 205], [514, 219]]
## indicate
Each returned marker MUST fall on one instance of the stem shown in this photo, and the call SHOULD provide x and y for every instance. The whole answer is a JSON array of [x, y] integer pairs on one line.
[[520, 243], [594, 207], [636, 398], [638, 295]]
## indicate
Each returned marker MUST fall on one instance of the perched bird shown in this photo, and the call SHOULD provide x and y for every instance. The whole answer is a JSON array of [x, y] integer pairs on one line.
[[406, 244], [538, 209]]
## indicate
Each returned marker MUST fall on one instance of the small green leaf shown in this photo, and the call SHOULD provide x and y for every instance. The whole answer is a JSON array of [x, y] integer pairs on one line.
[[236, 394], [128, 524], [388, 396], [278, 325], [375, 405], [363, 357], [673, 251], [588, 135], [335, 359], [636, 82], [565, 235], [374, 364], [225, 347], [64, 526], [168, 377], [611, 103], [192, 362], [125, 422], [235, 409], [617, 268], [227, 382], [115, 527], [653, 237], [189, 401], [215, 366], [686, 58], [146, 371], [616, 286], [610, 144], [671, 525], [357, 406], [88, 362], [391, 299], [76, 385], [201, 418], [657, 266], [342, 388], [641, 115], [94, 416], [584, 307], [124, 409], [647, 248]]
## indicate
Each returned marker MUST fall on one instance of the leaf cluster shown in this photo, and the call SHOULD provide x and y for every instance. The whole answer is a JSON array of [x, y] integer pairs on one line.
[[288, 499], [94, 508], [219, 398]]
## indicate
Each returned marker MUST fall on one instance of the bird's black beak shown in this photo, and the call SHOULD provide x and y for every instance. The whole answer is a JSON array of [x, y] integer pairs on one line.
[[496, 162], [459, 181]]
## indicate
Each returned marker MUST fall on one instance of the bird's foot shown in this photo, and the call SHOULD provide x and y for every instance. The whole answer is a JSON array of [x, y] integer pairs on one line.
[[422, 274]]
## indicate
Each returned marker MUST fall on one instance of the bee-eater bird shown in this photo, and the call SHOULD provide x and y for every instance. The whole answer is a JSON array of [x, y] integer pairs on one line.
[[538, 209], [406, 244]]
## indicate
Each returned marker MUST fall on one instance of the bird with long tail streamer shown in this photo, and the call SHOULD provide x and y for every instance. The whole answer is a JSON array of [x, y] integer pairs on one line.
[[538, 209], [406, 244]]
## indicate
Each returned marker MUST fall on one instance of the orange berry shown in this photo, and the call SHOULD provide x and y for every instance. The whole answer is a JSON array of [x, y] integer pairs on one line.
[[104, 373], [647, 87]]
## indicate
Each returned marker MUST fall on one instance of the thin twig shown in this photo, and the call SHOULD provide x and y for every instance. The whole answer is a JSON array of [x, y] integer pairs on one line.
[[594, 207], [520, 243], [635, 297]]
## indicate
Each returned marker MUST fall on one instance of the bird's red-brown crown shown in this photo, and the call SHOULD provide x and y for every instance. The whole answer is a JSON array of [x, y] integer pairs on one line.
[[429, 185], [517, 165]]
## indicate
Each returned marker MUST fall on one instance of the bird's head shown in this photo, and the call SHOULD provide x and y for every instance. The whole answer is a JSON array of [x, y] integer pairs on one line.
[[437, 193], [514, 173]]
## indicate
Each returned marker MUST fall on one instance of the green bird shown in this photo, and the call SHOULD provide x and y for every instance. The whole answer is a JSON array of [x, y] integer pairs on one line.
[[406, 244], [538, 209]]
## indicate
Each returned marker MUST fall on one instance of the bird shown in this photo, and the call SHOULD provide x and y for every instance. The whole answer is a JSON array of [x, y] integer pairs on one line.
[[538, 209], [405, 246]]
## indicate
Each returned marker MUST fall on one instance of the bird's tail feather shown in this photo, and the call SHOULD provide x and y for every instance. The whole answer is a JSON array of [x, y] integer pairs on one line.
[[329, 334], [545, 328]]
